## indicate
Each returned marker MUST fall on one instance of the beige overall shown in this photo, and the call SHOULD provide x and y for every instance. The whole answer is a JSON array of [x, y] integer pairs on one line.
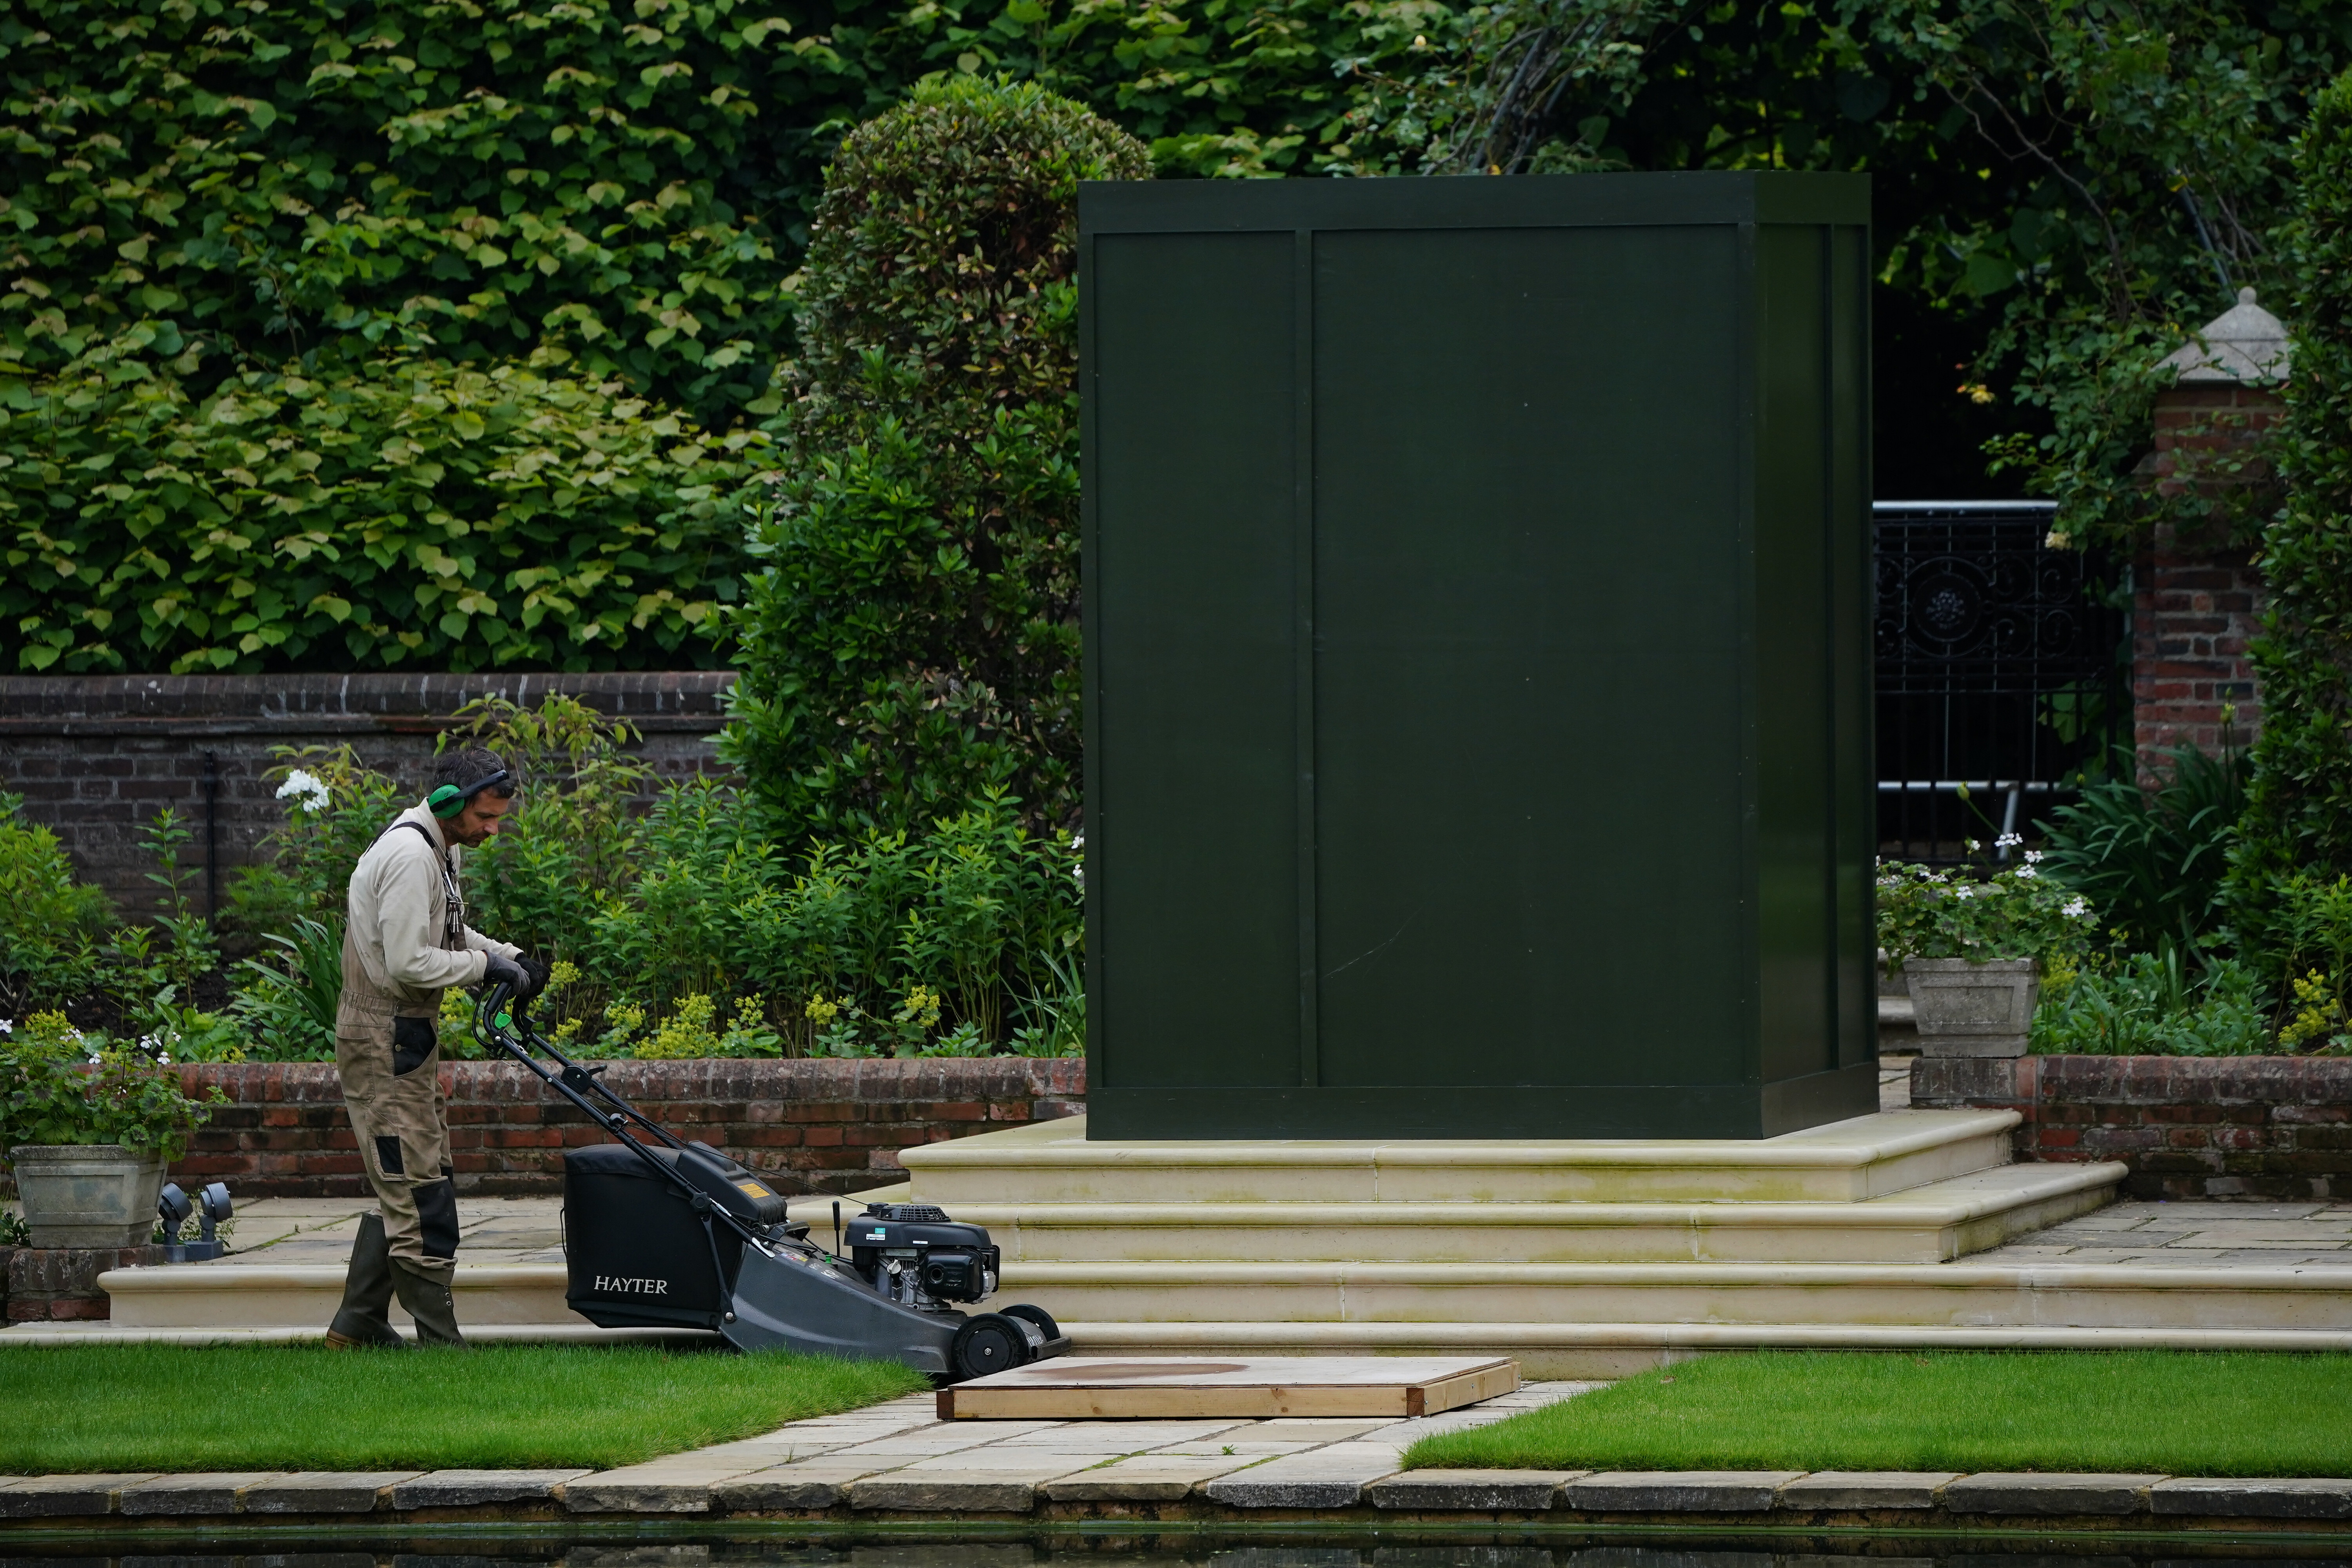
[[405, 940]]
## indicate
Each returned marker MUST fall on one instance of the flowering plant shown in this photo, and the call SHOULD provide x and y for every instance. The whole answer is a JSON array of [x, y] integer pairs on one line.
[[61, 1086], [2005, 911]]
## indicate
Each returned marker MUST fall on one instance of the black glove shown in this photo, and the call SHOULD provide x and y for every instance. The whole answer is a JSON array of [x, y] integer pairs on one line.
[[535, 972], [497, 970]]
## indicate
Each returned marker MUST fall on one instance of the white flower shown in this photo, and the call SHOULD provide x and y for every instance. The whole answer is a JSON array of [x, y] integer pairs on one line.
[[8, 1025], [2075, 908], [2033, 856], [2009, 841], [1972, 845], [307, 790], [1965, 890], [2027, 871]]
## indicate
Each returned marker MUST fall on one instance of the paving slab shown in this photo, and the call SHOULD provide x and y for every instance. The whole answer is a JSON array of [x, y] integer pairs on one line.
[[1479, 1491], [1143, 1478], [1332, 1477], [197, 1492], [946, 1488], [1826, 1491], [2307, 1497], [817, 1483], [325, 1491], [947, 1438], [466, 1489], [2029, 1492], [57, 1497], [1676, 1491], [656, 1488]]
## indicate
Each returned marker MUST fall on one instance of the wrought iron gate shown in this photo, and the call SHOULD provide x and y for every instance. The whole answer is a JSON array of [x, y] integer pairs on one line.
[[2003, 671]]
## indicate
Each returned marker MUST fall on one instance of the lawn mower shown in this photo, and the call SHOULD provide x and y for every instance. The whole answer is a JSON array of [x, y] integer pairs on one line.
[[663, 1233]]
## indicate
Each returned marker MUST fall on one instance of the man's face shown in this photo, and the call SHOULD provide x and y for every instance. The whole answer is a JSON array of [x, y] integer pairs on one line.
[[480, 819]]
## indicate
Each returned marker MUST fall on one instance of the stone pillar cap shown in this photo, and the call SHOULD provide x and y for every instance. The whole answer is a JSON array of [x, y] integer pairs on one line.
[[2243, 344]]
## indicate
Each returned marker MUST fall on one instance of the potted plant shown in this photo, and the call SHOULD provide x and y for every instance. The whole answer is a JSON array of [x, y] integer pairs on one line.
[[88, 1127], [1970, 941]]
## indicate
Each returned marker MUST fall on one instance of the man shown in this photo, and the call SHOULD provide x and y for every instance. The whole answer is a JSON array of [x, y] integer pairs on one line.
[[405, 940]]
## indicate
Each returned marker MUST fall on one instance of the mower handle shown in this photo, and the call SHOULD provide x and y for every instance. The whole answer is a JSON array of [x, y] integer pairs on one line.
[[497, 1012]]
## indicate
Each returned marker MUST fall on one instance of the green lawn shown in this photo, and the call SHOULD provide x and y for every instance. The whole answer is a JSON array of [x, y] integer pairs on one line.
[[2179, 1412], [234, 1407]]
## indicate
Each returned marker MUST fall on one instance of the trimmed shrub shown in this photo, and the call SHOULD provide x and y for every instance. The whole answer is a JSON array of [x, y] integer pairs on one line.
[[912, 643], [455, 517], [2298, 818]]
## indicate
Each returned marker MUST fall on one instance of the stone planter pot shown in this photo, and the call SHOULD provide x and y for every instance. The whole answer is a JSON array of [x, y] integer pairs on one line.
[[1962, 1008], [86, 1195]]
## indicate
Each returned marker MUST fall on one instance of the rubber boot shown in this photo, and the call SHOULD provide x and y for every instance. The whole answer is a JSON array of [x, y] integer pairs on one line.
[[427, 1298], [365, 1319]]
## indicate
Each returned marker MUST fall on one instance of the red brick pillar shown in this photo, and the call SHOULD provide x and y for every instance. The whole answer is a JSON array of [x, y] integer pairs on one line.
[[2198, 602]]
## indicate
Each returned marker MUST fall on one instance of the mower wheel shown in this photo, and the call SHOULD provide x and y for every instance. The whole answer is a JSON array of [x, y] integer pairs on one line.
[[1037, 1315], [988, 1342]]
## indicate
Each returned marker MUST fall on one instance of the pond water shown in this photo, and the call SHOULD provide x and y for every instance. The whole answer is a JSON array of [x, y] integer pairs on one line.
[[1381, 1548]]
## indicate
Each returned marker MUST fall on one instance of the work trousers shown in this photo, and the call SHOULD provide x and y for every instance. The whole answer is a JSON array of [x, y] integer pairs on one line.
[[391, 1072]]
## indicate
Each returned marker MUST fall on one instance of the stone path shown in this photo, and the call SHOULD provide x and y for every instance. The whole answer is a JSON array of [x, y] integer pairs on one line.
[[2189, 1235], [277, 1231]]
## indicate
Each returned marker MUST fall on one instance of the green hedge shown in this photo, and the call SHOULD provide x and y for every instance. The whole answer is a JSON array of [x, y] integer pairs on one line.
[[913, 640], [2297, 830], [451, 516]]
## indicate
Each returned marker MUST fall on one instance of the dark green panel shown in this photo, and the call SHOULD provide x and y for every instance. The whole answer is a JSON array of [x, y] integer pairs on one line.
[[1851, 587], [1796, 802], [1507, 726], [1191, 755], [1730, 1111], [1527, 719]]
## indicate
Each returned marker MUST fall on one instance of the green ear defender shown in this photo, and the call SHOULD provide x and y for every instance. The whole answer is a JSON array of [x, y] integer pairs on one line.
[[448, 800]]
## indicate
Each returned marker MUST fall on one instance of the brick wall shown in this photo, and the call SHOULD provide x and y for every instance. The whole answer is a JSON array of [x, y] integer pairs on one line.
[[96, 756], [821, 1125], [2188, 1127]]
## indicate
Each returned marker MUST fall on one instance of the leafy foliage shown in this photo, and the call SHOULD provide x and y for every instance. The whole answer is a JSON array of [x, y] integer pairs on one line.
[[888, 945], [314, 179], [684, 930], [2075, 187], [2153, 860], [2151, 1004], [2003, 912], [336, 805], [2311, 943], [411, 510], [289, 997], [52, 927], [2298, 821], [570, 837], [59, 1086], [912, 642]]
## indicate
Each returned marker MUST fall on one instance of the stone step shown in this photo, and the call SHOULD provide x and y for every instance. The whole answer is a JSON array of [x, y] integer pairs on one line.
[[1930, 1224], [1847, 1162], [1947, 1295], [257, 1295], [1352, 1306]]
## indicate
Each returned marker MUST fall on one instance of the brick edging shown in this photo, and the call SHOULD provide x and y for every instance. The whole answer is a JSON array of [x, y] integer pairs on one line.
[[820, 1124], [2188, 1127]]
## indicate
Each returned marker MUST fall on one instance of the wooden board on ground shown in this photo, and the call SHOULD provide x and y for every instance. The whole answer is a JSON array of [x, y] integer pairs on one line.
[[1073, 1388]]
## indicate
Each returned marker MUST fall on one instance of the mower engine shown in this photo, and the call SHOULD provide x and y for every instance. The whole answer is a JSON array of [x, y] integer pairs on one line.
[[914, 1254]]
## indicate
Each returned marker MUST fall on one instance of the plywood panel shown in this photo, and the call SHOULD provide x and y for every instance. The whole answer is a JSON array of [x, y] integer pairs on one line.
[[1240, 1387]]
